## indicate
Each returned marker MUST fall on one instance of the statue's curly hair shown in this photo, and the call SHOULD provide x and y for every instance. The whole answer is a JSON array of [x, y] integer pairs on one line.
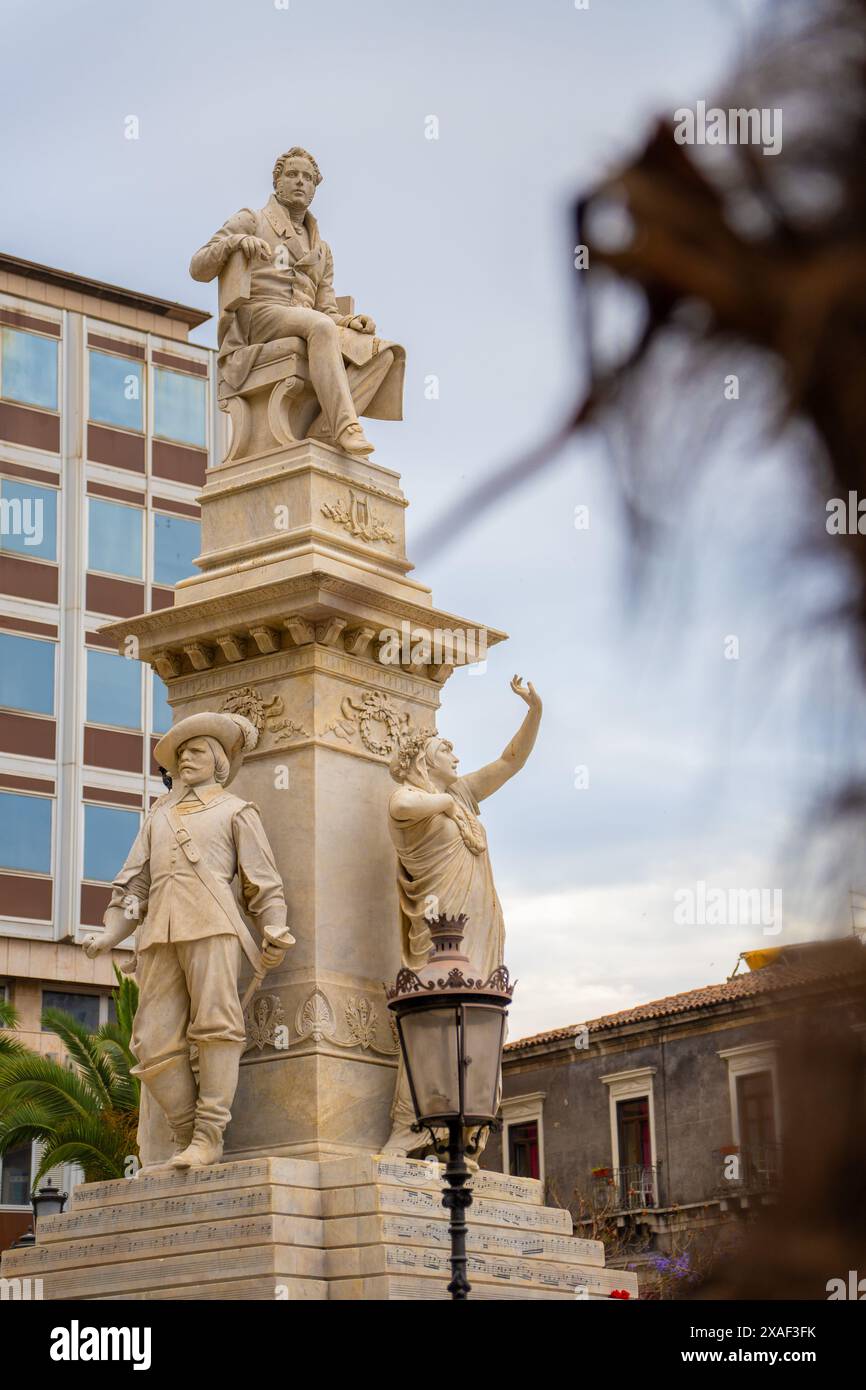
[[296, 152]]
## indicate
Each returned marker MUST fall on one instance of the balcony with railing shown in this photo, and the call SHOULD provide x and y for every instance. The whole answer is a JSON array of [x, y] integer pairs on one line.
[[634, 1187], [748, 1169]]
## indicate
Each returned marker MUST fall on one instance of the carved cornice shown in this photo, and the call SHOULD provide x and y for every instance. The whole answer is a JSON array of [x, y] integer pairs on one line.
[[311, 659], [210, 615], [235, 629]]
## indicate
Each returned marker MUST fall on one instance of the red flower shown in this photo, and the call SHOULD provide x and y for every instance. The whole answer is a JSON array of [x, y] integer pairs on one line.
[[619, 1293]]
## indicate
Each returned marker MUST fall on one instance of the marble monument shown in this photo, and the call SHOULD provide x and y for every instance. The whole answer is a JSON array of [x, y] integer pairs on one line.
[[304, 664]]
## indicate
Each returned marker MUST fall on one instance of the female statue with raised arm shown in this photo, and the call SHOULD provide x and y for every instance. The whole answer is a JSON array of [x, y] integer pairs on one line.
[[443, 865]]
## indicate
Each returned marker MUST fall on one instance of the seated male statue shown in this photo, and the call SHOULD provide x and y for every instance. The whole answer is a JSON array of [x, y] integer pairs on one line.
[[291, 295]]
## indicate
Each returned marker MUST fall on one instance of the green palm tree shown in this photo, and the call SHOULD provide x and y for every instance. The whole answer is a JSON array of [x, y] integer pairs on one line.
[[86, 1113], [9, 1047]]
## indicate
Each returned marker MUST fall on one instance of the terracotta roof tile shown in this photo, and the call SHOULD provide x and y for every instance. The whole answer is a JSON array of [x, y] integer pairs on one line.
[[798, 966]]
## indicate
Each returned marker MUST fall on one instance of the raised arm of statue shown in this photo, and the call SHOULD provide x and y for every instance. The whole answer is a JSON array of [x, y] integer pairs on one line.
[[492, 776]]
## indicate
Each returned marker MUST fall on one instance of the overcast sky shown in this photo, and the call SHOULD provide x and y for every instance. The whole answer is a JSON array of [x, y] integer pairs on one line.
[[461, 248]]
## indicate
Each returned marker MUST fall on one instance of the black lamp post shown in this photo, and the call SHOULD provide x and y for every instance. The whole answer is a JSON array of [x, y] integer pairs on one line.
[[48, 1201], [451, 1028]]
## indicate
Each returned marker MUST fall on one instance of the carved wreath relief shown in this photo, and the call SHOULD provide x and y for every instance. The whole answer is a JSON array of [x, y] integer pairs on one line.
[[375, 719]]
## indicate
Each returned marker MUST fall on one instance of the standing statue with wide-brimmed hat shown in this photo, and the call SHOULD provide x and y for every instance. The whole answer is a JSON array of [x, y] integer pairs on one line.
[[175, 891]]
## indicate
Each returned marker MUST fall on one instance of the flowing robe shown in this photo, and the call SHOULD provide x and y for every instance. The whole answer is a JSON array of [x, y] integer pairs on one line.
[[444, 868]]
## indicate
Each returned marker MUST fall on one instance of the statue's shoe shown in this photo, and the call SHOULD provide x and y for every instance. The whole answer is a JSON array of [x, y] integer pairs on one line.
[[354, 441], [201, 1151]]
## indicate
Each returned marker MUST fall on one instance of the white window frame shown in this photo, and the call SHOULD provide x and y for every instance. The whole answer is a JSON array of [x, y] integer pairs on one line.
[[131, 506], [33, 713], [522, 1110], [122, 351], [746, 1061], [153, 368], [57, 339], [108, 806], [35, 873], [632, 1085]]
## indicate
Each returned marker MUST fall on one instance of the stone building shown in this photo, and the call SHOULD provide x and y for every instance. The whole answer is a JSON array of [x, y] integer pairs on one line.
[[107, 422], [667, 1116]]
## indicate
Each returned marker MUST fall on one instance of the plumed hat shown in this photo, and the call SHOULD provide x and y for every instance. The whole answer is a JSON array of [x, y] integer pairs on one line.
[[233, 732]]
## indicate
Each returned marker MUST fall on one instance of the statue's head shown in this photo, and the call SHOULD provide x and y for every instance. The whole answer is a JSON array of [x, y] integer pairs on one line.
[[296, 178], [202, 760], [206, 747], [427, 761]]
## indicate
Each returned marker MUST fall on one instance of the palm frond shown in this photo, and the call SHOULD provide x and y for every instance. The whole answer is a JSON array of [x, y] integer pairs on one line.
[[59, 1089], [81, 1045], [115, 1043], [11, 1047], [97, 1165], [8, 1014], [125, 1001], [25, 1124]]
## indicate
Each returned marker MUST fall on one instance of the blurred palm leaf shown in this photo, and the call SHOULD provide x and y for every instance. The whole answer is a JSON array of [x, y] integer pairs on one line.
[[84, 1111]]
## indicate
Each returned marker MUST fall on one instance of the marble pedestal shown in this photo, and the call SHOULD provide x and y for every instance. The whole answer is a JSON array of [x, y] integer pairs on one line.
[[304, 618], [365, 1228]]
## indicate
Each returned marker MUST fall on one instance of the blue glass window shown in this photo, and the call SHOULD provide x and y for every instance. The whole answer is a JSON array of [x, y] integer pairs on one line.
[[176, 542], [25, 832], [28, 519], [179, 407], [114, 538], [162, 711], [28, 368], [113, 690], [108, 837], [26, 674], [83, 1007], [116, 391]]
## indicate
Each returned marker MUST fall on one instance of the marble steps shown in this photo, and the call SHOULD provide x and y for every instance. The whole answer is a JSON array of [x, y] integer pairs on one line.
[[379, 1228], [367, 1261], [374, 1198], [398, 1288], [270, 1199], [288, 1172], [276, 1229]]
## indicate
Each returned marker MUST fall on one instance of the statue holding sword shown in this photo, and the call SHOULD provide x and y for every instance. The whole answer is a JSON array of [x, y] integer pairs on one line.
[[175, 891]]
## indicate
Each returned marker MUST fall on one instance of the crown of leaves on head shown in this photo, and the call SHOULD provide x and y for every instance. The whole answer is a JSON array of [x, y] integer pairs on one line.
[[408, 749]]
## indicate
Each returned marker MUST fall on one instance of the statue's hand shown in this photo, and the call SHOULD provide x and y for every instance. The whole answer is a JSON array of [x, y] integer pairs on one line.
[[526, 692], [362, 323], [96, 945], [255, 248], [272, 955]]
